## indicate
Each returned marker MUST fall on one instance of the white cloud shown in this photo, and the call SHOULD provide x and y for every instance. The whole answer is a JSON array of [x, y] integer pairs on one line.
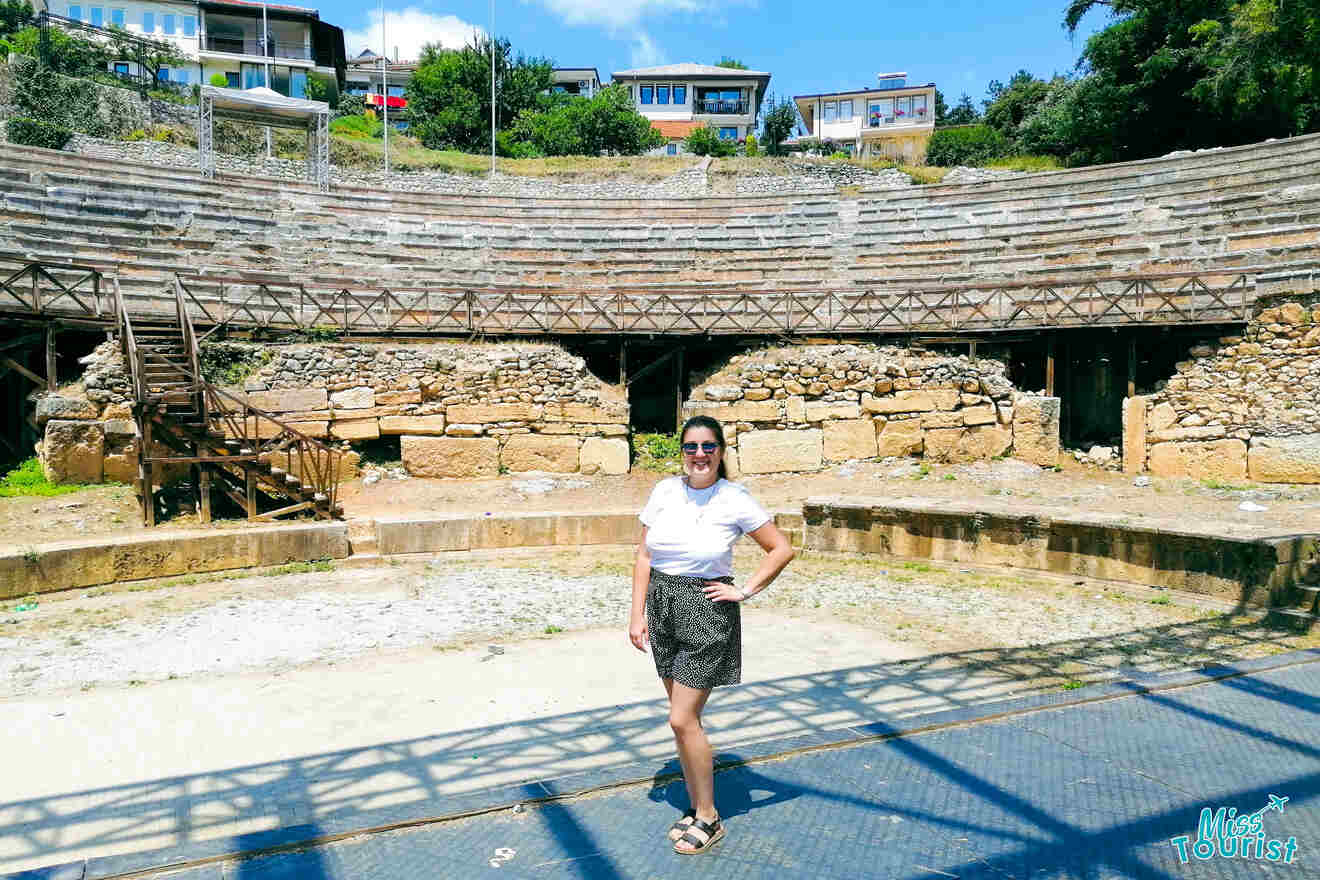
[[645, 53], [409, 29], [620, 15]]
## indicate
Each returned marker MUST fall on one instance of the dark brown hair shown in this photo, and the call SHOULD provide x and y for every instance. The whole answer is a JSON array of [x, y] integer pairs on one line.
[[715, 428]]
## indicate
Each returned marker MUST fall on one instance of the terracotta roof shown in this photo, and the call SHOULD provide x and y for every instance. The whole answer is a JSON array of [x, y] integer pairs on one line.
[[674, 128]]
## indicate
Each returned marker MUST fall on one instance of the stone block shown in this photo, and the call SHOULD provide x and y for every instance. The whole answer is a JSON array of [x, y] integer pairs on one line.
[[900, 402], [118, 411], [386, 398], [450, 456], [1285, 459], [1213, 459], [538, 452], [966, 444], [57, 406], [608, 412], [486, 413], [1134, 435], [823, 411], [73, 452], [941, 419], [355, 429], [731, 462], [120, 428], [347, 464], [289, 399], [1207, 432], [757, 394], [944, 398], [362, 397], [848, 439], [897, 439], [795, 409], [741, 411], [1292, 313], [120, 467], [1161, 417], [978, 415], [1036, 430], [452, 430], [412, 424], [770, 452], [602, 456]]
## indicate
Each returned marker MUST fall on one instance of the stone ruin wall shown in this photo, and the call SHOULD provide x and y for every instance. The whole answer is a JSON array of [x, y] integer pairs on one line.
[[1245, 407], [801, 408], [460, 410]]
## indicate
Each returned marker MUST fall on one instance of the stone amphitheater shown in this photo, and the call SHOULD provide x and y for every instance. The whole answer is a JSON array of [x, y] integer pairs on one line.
[[1094, 288]]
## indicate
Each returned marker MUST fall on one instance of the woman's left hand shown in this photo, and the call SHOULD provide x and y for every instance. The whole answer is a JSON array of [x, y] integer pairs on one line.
[[718, 591]]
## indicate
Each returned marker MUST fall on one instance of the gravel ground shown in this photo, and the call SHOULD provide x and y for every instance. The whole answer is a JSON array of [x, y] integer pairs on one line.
[[187, 627]]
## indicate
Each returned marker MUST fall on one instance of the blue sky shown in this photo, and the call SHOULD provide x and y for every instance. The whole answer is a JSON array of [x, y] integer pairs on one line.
[[960, 45]]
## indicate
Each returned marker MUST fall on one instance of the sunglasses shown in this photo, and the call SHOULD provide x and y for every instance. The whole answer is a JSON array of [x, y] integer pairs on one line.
[[708, 448]]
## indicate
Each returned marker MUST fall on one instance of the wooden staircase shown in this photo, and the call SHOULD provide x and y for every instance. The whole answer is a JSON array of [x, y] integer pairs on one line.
[[268, 468]]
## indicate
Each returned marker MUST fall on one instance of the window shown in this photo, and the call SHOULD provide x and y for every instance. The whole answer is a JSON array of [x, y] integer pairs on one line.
[[190, 25], [845, 111], [647, 94], [117, 18], [121, 68], [355, 88], [163, 74], [75, 13], [919, 107], [181, 76], [680, 94], [298, 83], [903, 109], [167, 23], [148, 22], [831, 110], [881, 112], [98, 16], [729, 133], [662, 94], [396, 91], [231, 79], [253, 75], [671, 150]]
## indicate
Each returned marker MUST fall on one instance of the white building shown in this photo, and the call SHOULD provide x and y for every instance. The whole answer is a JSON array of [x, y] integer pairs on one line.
[[682, 97], [891, 119], [226, 37], [584, 81]]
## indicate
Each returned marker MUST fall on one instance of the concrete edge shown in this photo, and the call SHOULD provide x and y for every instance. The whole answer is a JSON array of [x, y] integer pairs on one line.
[[532, 793]]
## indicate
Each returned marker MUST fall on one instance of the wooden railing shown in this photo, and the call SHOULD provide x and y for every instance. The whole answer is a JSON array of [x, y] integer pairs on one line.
[[128, 343], [54, 289]]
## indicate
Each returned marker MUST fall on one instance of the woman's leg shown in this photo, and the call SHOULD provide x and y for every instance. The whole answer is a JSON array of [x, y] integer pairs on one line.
[[685, 707]]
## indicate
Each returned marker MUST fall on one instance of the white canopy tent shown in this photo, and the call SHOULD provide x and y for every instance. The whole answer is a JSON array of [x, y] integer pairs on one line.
[[262, 106]]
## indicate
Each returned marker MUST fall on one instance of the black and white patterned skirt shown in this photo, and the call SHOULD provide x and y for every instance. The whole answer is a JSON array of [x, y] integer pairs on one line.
[[694, 641]]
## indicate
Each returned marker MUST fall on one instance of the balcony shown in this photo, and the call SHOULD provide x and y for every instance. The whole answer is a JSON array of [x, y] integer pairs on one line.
[[720, 108], [235, 45]]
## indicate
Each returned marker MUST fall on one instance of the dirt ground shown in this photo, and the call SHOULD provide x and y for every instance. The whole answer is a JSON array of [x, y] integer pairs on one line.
[[1006, 485]]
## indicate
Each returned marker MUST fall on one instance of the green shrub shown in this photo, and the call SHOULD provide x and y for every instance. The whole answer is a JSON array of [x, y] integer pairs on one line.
[[969, 145], [750, 144], [38, 134], [657, 452], [357, 127], [706, 142], [28, 480], [351, 105], [840, 154], [218, 80], [226, 363]]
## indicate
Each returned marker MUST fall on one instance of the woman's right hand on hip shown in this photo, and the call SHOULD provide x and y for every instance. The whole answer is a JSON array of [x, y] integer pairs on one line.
[[637, 634]]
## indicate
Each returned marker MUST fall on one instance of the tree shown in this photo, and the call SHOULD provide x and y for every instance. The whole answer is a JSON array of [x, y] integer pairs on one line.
[[941, 108], [726, 61], [14, 16], [152, 56], [449, 97], [777, 124], [706, 142], [608, 122], [63, 52], [964, 113]]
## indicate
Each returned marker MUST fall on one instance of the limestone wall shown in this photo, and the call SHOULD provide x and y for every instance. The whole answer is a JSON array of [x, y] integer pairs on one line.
[[460, 410], [799, 408], [1245, 407]]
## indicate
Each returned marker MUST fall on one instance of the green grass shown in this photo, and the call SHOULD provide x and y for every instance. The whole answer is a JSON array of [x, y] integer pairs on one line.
[[1026, 163], [657, 452], [28, 480], [1212, 483], [1072, 685], [1161, 600]]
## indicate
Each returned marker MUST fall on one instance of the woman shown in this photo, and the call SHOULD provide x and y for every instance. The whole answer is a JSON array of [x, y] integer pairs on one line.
[[685, 603]]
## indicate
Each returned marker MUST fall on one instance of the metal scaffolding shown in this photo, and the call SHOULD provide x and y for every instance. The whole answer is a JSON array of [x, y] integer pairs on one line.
[[261, 106]]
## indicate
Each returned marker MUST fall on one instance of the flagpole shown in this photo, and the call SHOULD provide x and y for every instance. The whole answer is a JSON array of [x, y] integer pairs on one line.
[[492, 88], [384, 87]]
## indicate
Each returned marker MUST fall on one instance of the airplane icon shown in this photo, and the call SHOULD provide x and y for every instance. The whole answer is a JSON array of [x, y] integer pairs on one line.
[[1276, 803]]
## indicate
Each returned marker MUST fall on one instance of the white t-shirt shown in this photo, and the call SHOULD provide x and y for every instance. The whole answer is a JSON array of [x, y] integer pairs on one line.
[[692, 531]]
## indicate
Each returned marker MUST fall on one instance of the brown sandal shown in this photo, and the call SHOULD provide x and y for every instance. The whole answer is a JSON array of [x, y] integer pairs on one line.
[[714, 832], [676, 830]]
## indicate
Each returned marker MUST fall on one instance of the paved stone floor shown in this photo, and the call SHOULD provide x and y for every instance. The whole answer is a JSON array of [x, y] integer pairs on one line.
[[1063, 786]]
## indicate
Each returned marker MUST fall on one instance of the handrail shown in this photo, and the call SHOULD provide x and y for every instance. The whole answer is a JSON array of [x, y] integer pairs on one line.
[[129, 344]]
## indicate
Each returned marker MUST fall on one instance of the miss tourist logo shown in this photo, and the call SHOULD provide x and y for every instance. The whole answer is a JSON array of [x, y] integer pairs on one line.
[[1224, 834]]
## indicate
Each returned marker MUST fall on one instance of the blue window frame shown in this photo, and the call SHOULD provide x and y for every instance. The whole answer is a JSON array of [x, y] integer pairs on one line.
[[148, 22], [98, 16], [121, 68], [75, 13], [297, 83], [167, 23], [231, 79], [662, 94], [648, 94], [729, 133], [190, 25], [671, 150], [163, 75], [680, 94], [117, 17]]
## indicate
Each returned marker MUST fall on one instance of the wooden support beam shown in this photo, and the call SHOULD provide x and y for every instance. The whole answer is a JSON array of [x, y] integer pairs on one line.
[[205, 494], [1049, 367], [680, 373], [292, 508], [146, 478], [1132, 365], [19, 368], [52, 375], [623, 363], [251, 503], [971, 351]]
